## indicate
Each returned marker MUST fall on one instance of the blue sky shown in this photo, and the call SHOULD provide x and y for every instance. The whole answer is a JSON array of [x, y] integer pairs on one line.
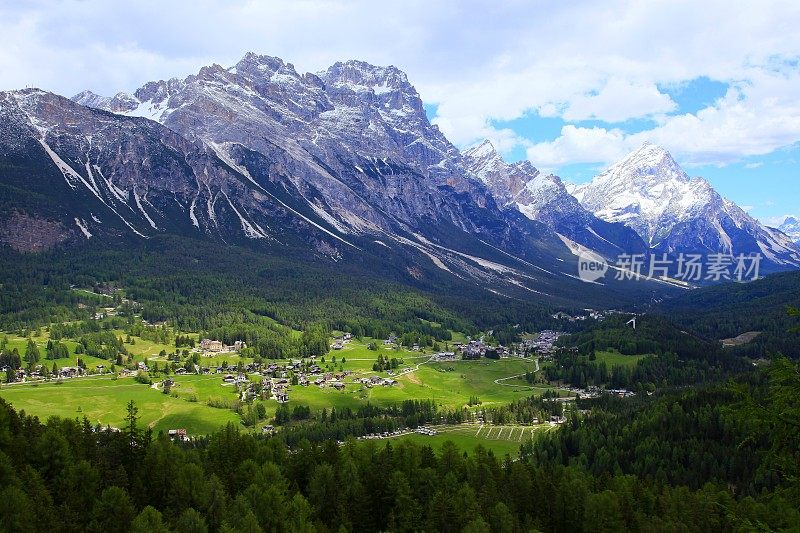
[[571, 85]]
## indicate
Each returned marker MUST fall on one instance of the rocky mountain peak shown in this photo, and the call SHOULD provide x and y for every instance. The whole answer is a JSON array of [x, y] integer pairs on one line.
[[483, 152], [647, 165], [388, 87], [263, 67], [119, 103], [791, 227], [365, 76], [649, 192]]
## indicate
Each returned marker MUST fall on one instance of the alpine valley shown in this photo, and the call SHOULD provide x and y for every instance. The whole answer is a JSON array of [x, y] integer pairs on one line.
[[257, 300]]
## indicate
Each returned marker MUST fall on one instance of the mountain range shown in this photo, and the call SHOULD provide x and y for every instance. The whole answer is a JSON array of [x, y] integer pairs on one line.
[[342, 165]]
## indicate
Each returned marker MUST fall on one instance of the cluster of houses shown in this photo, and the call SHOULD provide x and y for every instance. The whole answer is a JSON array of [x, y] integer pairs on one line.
[[276, 379], [36, 373], [422, 430], [593, 391], [590, 313], [208, 346], [376, 381], [339, 342], [543, 344], [475, 349]]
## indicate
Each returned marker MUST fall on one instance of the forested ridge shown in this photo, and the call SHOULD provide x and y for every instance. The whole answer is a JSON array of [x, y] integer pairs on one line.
[[728, 310], [672, 356], [198, 286]]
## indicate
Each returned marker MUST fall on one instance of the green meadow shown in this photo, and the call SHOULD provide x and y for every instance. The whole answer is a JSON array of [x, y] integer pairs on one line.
[[501, 440], [202, 403], [613, 358], [103, 400]]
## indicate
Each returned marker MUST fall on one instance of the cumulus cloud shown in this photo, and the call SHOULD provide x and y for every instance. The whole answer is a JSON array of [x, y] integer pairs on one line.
[[579, 145], [619, 100]]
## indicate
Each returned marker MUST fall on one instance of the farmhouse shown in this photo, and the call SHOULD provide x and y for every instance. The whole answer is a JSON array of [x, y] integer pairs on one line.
[[282, 396], [178, 434], [238, 346], [208, 345]]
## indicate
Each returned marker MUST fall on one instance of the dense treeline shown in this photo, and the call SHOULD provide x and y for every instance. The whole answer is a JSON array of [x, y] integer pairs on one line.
[[652, 335], [729, 310], [743, 434], [340, 424], [647, 374], [675, 357], [266, 339]]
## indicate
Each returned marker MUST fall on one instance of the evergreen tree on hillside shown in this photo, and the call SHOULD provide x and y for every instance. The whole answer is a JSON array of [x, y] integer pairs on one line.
[[32, 353]]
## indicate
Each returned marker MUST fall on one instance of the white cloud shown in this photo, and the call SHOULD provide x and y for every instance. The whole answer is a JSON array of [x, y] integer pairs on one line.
[[607, 62], [754, 118], [619, 100], [579, 145], [756, 164]]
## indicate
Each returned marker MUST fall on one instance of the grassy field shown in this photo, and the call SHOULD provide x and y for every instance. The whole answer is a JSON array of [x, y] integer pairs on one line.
[[501, 440], [103, 400], [614, 358], [450, 385], [139, 351]]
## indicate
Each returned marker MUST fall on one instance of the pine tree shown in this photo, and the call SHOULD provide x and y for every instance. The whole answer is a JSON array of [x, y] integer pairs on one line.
[[31, 353]]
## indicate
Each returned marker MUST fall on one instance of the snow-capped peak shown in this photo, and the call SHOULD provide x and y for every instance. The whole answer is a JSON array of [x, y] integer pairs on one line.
[[650, 193], [483, 150], [649, 164], [791, 227]]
